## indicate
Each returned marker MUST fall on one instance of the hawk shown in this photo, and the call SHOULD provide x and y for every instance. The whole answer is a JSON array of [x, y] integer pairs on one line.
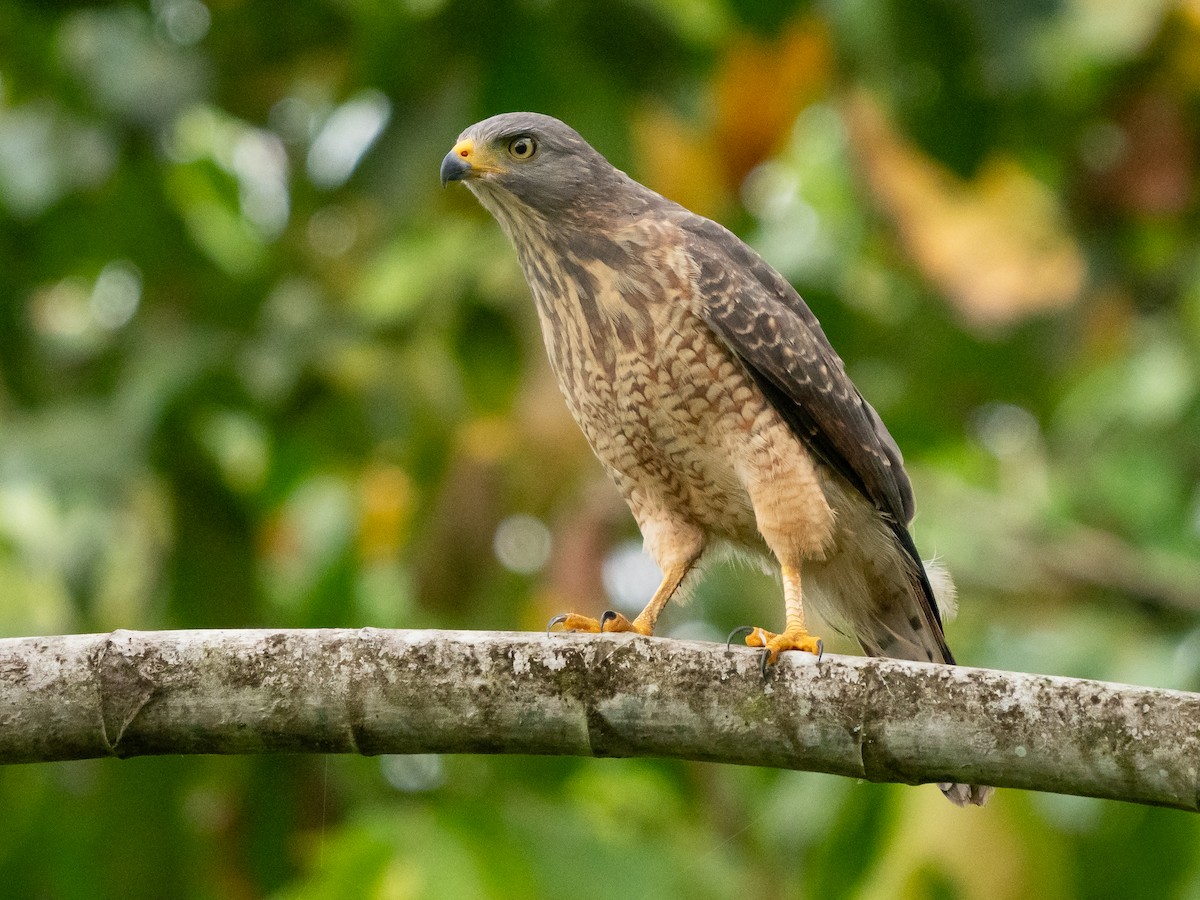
[[710, 394]]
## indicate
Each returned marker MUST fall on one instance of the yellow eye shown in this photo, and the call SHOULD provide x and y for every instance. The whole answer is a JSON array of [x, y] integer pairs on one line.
[[523, 147]]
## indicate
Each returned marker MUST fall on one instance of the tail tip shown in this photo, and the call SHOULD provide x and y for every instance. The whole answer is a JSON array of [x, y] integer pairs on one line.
[[967, 794]]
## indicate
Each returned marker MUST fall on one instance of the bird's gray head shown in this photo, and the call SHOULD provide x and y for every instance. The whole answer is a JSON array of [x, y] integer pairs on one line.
[[522, 163]]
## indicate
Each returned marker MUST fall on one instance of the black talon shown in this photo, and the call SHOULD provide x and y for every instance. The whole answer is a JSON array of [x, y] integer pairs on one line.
[[741, 631], [820, 649], [762, 662], [608, 616], [557, 620]]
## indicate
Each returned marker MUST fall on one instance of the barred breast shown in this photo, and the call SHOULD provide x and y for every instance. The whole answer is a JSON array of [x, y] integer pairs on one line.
[[670, 412]]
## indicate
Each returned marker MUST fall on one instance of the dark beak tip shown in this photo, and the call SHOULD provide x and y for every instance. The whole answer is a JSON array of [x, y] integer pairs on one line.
[[454, 168]]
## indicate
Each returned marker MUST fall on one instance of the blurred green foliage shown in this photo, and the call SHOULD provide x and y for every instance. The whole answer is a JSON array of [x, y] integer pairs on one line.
[[256, 369]]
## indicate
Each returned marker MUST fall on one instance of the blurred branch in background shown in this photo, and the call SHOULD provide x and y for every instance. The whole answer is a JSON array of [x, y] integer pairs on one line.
[[384, 692]]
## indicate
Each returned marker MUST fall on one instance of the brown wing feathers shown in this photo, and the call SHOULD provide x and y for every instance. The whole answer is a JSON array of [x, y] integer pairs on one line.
[[772, 331]]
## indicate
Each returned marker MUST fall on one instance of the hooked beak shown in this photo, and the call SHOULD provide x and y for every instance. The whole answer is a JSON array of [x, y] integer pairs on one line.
[[467, 161], [454, 168]]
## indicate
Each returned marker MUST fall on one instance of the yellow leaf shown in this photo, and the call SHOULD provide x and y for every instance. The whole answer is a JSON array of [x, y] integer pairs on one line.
[[997, 245]]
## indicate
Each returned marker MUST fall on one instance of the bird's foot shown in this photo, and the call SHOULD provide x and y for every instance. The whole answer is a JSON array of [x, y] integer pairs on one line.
[[609, 622], [774, 644]]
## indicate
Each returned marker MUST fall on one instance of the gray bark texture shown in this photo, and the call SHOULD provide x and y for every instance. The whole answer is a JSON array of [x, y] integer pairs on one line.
[[371, 691]]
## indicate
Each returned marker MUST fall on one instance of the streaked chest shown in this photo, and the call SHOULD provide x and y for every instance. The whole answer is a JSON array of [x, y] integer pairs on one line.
[[661, 400]]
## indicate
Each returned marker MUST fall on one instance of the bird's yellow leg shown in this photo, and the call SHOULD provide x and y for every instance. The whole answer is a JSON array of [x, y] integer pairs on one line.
[[794, 635], [647, 618]]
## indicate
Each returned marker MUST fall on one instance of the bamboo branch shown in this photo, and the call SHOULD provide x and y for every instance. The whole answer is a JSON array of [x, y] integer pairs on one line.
[[371, 691]]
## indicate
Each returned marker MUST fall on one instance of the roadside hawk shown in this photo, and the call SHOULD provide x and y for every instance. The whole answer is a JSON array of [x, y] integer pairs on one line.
[[710, 394]]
